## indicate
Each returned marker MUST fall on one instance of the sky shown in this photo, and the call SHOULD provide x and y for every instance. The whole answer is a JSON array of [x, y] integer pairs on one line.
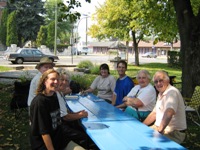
[[87, 9]]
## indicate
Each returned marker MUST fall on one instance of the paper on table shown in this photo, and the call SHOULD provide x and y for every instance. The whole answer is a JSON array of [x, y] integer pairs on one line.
[[71, 97], [98, 100]]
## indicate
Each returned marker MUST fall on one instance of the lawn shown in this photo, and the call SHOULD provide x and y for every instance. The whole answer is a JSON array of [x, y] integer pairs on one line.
[[14, 133]]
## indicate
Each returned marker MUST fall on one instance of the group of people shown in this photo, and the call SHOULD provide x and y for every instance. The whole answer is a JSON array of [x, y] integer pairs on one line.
[[51, 119], [159, 106], [53, 125]]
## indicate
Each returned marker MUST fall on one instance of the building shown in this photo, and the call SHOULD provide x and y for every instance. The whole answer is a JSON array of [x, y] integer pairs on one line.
[[161, 48]]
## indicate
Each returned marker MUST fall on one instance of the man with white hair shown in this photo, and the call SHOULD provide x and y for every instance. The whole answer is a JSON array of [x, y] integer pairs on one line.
[[169, 112]]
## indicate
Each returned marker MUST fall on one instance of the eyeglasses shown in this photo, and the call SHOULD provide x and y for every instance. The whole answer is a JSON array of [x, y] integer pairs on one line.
[[160, 81]]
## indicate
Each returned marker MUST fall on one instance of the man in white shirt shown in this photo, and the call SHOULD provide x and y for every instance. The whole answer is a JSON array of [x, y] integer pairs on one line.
[[44, 64], [169, 112]]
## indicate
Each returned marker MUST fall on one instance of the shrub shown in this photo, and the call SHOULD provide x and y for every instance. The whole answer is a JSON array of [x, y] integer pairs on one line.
[[85, 64], [95, 69], [84, 80]]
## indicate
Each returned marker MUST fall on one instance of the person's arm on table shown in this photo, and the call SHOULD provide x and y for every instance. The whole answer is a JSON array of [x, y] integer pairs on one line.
[[150, 118], [114, 99], [135, 102], [90, 90], [75, 116], [47, 141], [166, 119]]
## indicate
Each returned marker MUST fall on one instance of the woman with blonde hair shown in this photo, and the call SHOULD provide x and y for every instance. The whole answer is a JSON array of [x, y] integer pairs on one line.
[[46, 130]]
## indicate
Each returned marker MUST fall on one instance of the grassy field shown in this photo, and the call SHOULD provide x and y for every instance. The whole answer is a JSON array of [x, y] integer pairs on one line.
[[14, 133]]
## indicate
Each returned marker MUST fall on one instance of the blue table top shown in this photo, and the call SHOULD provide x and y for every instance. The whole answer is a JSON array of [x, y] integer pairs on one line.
[[98, 109], [110, 128], [128, 135]]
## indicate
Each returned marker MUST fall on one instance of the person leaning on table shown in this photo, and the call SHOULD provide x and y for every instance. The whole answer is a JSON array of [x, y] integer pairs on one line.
[[46, 131], [104, 83], [70, 119], [141, 100], [169, 112]]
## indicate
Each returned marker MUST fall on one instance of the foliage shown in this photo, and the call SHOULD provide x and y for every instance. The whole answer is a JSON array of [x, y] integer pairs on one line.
[[85, 64], [95, 69], [2, 68], [25, 77], [29, 24], [120, 18], [12, 36], [64, 26], [61, 47], [41, 36], [3, 28], [174, 59], [84, 80], [51, 35]]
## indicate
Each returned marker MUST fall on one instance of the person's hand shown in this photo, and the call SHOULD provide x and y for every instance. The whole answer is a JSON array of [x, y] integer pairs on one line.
[[84, 93], [125, 99], [83, 114], [128, 101]]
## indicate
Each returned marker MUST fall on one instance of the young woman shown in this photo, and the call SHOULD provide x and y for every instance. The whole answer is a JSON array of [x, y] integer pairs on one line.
[[104, 83], [46, 130]]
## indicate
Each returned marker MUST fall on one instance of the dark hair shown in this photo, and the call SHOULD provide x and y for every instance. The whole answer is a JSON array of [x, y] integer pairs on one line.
[[104, 66], [122, 62]]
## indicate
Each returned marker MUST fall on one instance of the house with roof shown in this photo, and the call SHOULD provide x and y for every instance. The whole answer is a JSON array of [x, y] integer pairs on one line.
[[160, 48]]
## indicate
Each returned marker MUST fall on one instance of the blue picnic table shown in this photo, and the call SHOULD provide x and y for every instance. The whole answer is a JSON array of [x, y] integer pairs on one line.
[[110, 128]]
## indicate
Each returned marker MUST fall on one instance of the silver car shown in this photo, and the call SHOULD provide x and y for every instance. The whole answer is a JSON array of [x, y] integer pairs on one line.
[[28, 55], [149, 55]]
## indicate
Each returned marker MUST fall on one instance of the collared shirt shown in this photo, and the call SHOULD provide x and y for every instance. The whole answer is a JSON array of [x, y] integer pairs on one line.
[[171, 98]]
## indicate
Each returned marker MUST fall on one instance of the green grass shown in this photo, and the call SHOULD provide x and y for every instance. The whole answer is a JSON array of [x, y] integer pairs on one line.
[[2, 68], [14, 133]]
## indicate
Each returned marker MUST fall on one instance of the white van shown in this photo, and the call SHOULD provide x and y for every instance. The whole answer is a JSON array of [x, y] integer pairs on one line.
[[83, 50]]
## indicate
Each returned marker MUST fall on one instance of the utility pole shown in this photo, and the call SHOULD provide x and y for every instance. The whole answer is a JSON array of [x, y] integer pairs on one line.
[[86, 30], [56, 21]]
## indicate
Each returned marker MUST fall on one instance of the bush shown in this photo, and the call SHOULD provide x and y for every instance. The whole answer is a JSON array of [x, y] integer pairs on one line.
[[174, 59], [84, 80], [95, 69], [85, 64]]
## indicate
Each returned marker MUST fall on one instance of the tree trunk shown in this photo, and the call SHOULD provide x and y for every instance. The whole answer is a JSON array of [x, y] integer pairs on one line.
[[190, 46], [135, 46]]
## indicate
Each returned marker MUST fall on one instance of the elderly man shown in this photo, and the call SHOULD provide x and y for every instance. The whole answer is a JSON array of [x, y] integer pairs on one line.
[[169, 112], [44, 64]]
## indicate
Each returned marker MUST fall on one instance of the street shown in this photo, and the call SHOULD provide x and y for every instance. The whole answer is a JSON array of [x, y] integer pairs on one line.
[[94, 58]]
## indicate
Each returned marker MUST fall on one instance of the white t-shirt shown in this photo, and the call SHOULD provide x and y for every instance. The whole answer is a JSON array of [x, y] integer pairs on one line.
[[33, 87], [147, 95], [62, 103], [105, 86], [171, 98]]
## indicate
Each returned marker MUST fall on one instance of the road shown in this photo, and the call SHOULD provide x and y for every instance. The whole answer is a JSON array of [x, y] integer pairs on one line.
[[94, 58]]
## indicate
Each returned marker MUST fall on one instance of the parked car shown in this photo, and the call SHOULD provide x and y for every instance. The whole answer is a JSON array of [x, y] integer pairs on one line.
[[149, 55], [83, 50], [28, 55]]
